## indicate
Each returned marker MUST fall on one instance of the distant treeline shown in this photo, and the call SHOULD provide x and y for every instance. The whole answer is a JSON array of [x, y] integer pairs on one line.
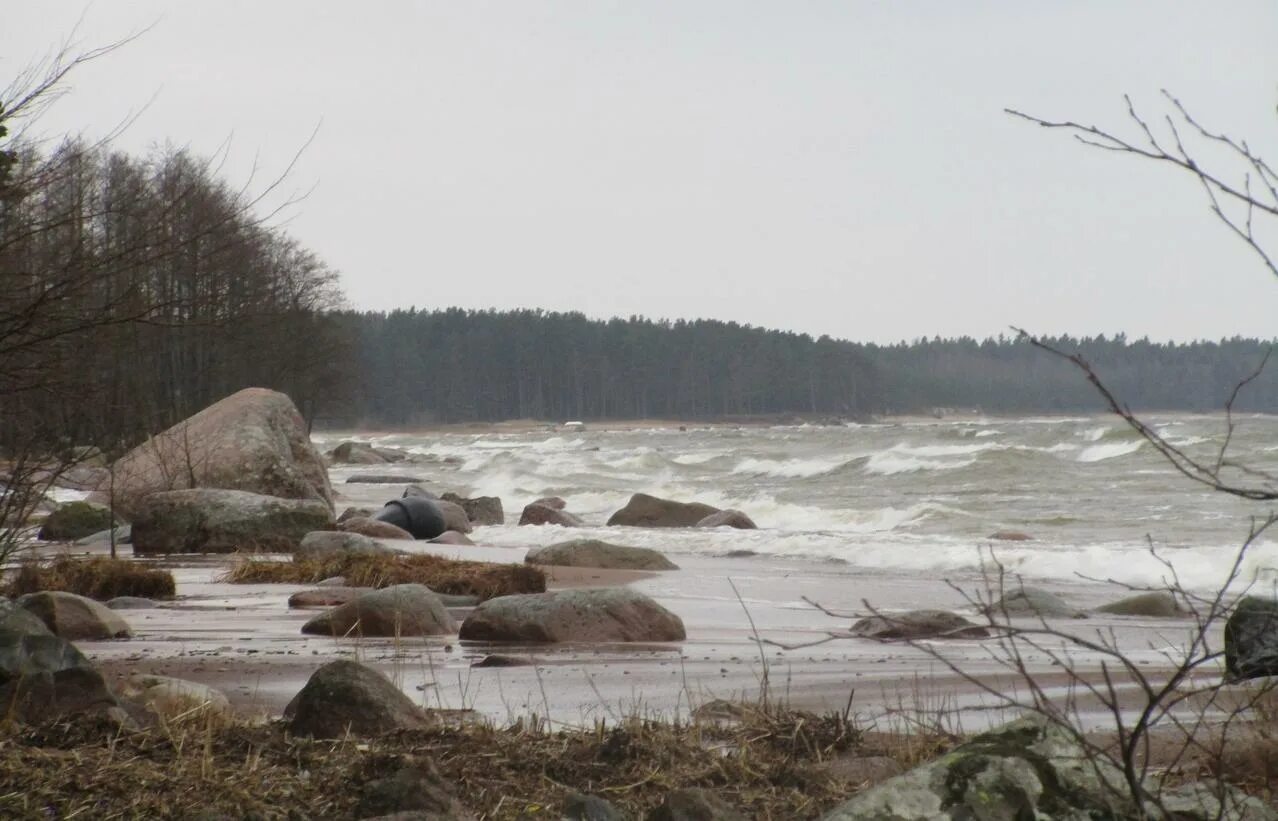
[[414, 367]]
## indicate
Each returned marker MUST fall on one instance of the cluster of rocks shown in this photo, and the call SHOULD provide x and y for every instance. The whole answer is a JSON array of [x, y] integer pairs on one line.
[[641, 511]]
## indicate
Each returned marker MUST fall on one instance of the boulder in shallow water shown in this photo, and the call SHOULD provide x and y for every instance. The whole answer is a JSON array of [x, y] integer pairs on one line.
[[206, 520], [1251, 638], [1034, 602], [398, 610], [346, 696], [75, 617], [373, 528], [455, 517], [75, 520], [597, 615], [594, 553], [1161, 604], [649, 511], [356, 453], [254, 441], [331, 596], [728, 518], [918, 624], [328, 544], [539, 514], [481, 510], [1011, 536], [452, 537]]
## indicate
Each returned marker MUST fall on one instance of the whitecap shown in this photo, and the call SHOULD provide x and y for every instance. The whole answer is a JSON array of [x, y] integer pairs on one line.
[[1099, 453]]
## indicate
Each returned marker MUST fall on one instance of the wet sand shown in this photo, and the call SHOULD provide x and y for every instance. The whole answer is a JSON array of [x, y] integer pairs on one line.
[[244, 640]]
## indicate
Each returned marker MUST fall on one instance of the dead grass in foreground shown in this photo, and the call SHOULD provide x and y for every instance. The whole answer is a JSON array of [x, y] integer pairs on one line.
[[770, 766], [98, 578], [483, 579]]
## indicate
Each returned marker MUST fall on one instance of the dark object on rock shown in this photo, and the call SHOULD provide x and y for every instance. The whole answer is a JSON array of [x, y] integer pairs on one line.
[[75, 520], [420, 517], [1160, 604], [693, 804], [398, 610], [373, 528], [75, 617], [596, 615], [728, 518], [918, 624], [1251, 639], [454, 538], [594, 553], [346, 696], [481, 510], [254, 441], [382, 479], [352, 512], [1011, 536], [206, 520], [1034, 602], [539, 514], [649, 511], [578, 807], [332, 544], [417, 787], [499, 660]]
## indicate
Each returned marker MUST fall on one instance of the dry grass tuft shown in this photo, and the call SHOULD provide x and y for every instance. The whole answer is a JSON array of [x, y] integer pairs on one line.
[[769, 765], [483, 579], [98, 578]]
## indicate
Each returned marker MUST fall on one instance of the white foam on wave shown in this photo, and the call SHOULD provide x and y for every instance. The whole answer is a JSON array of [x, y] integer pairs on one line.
[[1094, 434], [1099, 453], [788, 468], [981, 434], [695, 458]]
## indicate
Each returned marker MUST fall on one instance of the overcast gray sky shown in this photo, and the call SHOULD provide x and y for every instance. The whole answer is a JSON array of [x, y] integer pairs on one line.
[[841, 168]]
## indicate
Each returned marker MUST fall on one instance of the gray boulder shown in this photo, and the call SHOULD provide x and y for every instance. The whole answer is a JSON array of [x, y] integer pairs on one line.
[[43, 677], [328, 544], [541, 514], [596, 615], [1034, 602], [694, 804], [417, 788], [728, 518], [356, 453], [481, 510], [75, 617], [398, 610], [1251, 639], [374, 528], [75, 520], [19, 621], [205, 520], [346, 696], [1029, 768], [649, 511], [455, 517], [452, 537], [917, 624], [1160, 604], [331, 596], [352, 512], [254, 441], [594, 553], [418, 490], [123, 535]]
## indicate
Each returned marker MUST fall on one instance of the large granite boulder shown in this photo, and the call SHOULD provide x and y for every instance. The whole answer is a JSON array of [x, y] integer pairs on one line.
[[1251, 638], [345, 696], [75, 520], [538, 513], [595, 553], [649, 511], [728, 518], [206, 520], [481, 510], [75, 617], [1160, 604], [1030, 768], [398, 610], [254, 441], [1034, 602], [917, 624], [599, 615], [328, 544]]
